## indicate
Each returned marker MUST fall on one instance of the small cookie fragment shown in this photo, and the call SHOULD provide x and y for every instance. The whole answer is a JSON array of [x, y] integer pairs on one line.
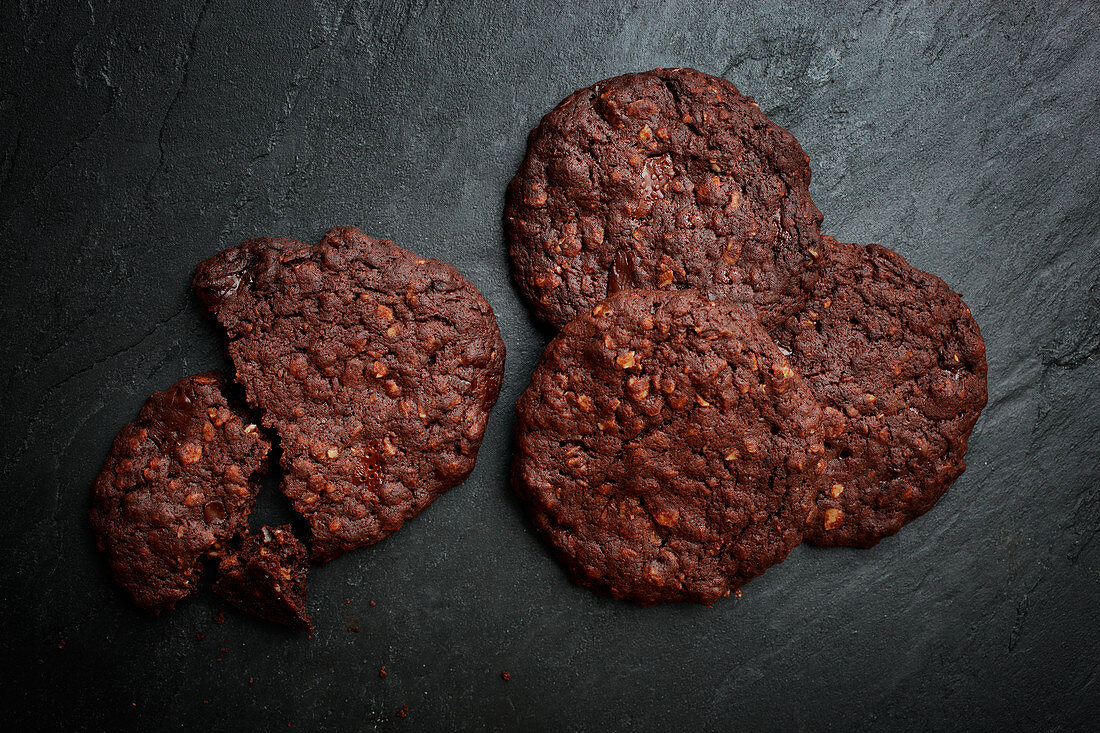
[[377, 368], [665, 179], [899, 363], [666, 448], [176, 486], [266, 577]]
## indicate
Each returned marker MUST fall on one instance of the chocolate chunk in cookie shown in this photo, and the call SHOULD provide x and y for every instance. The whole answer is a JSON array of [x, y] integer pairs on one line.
[[899, 363], [665, 179], [175, 488], [666, 447], [266, 577], [376, 367]]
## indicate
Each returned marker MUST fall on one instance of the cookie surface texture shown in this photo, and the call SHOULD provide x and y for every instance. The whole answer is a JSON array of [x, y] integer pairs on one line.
[[665, 179], [666, 447], [898, 361], [377, 368], [176, 486]]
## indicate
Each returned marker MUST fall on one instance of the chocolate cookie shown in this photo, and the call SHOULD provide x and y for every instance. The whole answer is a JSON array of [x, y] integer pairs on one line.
[[666, 447], [665, 179], [899, 362], [175, 487], [377, 368], [266, 576]]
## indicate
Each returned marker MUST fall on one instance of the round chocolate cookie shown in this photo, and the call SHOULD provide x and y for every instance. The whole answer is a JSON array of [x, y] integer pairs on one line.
[[175, 487], [377, 369], [664, 179], [899, 363], [666, 447]]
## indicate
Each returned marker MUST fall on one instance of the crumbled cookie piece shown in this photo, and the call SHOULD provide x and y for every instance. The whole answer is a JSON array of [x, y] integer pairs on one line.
[[266, 577]]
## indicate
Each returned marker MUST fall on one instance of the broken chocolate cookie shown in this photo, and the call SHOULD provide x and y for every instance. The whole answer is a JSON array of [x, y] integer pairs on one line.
[[376, 367]]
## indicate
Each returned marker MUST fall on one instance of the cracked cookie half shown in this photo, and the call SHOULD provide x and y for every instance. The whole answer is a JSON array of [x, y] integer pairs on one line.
[[176, 486]]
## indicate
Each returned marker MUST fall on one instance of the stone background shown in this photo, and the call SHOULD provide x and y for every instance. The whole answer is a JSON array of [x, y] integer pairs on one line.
[[138, 138]]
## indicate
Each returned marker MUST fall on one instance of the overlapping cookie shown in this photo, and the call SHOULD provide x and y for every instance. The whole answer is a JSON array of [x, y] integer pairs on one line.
[[669, 178], [899, 363]]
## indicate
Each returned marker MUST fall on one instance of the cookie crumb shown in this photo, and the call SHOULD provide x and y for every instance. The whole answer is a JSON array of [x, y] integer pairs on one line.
[[382, 672], [506, 676], [372, 604], [403, 712]]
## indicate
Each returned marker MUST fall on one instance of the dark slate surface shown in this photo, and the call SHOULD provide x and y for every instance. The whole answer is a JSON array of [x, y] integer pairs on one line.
[[139, 138]]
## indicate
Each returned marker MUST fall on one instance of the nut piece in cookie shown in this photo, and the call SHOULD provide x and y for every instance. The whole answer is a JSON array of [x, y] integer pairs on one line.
[[266, 577], [176, 486], [666, 448], [899, 363], [665, 179], [376, 367]]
